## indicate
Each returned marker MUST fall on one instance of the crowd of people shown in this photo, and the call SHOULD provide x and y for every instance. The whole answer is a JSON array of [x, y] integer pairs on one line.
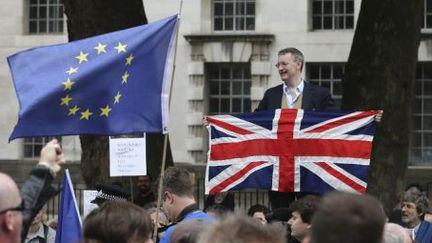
[[334, 217]]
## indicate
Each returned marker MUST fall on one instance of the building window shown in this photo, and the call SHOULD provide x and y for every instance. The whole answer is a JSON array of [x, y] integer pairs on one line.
[[328, 75], [427, 16], [231, 15], [33, 146], [421, 134], [45, 16], [229, 87], [332, 14]]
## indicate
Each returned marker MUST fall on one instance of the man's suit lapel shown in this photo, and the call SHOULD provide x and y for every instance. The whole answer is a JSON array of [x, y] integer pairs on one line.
[[307, 96]]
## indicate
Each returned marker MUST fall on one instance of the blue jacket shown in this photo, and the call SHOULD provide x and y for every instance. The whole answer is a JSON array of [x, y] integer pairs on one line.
[[424, 233], [190, 216]]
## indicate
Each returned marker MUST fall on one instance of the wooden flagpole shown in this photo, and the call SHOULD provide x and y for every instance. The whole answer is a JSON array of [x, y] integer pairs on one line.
[[164, 153]]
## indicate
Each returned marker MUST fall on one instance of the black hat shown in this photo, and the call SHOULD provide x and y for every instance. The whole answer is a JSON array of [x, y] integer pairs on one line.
[[110, 192]]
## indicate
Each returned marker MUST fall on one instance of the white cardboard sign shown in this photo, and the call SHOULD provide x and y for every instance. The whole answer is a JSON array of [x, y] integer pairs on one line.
[[128, 156]]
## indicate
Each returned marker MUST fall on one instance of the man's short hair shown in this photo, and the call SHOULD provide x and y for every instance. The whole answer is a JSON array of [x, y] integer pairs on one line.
[[116, 221], [242, 229], [189, 231], [419, 199], [296, 53], [177, 181], [346, 217], [258, 208], [306, 207]]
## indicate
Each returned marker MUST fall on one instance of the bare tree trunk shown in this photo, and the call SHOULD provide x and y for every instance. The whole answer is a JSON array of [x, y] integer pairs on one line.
[[380, 75], [88, 18]]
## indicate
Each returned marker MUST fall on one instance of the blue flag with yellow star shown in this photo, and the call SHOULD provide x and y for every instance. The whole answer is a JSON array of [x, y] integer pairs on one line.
[[111, 84]]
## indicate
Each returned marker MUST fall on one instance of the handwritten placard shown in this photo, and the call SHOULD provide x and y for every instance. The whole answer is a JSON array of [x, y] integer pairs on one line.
[[88, 196], [128, 156]]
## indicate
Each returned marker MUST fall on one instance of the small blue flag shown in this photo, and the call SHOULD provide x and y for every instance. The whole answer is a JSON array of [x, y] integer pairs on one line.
[[111, 84], [69, 221]]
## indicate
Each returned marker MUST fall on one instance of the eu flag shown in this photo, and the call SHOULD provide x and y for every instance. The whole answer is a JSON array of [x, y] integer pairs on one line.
[[111, 84], [69, 222]]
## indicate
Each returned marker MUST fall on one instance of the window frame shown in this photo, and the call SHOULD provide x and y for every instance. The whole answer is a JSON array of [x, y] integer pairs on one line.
[[245, 91], [334, 15], [45, 17], [331, 79], [419, 117], [427, 14], [244, 16]]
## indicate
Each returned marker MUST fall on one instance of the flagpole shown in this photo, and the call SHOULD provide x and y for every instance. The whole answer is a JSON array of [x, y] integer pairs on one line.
[[164, 152]]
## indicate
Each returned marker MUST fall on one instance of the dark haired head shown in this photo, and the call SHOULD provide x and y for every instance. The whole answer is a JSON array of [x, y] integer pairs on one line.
[[177, 181], [117, 222], [305, 207], [258, 208], [346, 217]]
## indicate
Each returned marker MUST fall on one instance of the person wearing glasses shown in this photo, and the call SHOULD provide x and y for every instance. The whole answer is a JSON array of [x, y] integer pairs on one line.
[[294, 92], [17, 210], [178, 200]]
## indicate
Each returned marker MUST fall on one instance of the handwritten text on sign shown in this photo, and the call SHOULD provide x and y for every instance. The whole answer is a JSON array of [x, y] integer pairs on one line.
[[128, 156]]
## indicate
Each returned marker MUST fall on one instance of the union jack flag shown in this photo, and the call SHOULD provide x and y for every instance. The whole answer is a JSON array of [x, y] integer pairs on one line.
[[290, 150]]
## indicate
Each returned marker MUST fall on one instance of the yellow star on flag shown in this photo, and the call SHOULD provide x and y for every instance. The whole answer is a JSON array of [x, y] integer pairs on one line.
[[86, 114], [117, 98], [129, 59], [100, 48], [120, 47], [72, 70], [68, 84], [73, 110], [82, 57], [125, 77], [65, 100], [105, 111]]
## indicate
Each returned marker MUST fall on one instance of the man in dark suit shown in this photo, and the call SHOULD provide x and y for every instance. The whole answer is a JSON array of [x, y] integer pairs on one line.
[[294, 92]]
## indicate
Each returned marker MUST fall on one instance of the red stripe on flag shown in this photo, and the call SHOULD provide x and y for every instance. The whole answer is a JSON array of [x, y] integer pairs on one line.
[[343, 121], [342, 177], [235, 177], [297, 147], [228, 126], [333, 147]]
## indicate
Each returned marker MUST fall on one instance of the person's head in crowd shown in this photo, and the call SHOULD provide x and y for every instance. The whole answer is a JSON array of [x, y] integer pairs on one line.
[[110, 192], [117, 221], [52, 224], [346, 217], [40, 216], [414, 206], [242, 229], [394, 233], [162, 219], [144, 184], [189, 231], [177, 191], [259, 213], [414, 187], [302, 211], [218, 211], [38, 231], [11, 207]]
